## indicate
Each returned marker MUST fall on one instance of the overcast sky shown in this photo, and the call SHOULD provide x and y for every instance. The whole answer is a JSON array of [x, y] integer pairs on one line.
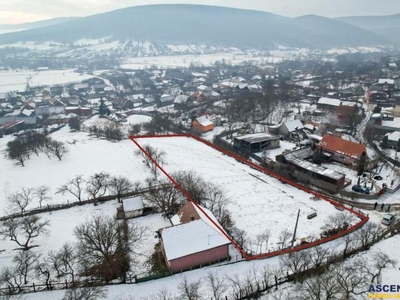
[[22, 11]]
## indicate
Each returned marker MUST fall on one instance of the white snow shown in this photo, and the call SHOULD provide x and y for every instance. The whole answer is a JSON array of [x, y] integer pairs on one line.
[[190, 238], [257, 201]]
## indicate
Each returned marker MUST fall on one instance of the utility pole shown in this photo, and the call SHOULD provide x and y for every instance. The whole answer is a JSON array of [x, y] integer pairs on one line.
[[295, 227]]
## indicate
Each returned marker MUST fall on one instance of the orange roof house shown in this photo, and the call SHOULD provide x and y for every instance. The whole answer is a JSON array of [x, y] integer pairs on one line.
[[202, 124], [343, 151]]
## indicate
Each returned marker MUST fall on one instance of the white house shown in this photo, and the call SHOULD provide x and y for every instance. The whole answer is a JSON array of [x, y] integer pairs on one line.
[[133, 207]]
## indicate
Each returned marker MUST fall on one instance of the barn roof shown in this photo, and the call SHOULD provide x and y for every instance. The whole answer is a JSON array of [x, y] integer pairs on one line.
[[190, 238], [341, 146], [329, 101]]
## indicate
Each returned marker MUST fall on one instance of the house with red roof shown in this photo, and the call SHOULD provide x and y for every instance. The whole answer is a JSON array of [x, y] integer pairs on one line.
[[343, 151]]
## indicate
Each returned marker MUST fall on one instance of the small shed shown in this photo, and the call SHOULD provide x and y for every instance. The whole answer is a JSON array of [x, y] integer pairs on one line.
[[132, 207]]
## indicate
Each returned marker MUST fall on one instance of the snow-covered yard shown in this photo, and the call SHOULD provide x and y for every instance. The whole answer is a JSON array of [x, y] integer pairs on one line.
[[258, 202], [87, 156], [63, 222]]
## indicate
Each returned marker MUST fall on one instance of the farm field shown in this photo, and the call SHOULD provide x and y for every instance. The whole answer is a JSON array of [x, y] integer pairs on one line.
[[257, 201]]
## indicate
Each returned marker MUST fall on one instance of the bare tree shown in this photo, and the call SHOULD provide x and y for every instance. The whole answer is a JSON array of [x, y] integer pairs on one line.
[[86, 293], [265, 236], [104, 245], [9, 277], [23, 231], [20, 201], [319, 287], [73, 186], [284, 238], [57, 148], [42, 194], [157, 155], [162, 294], [367, 234], [43, 269], [64, 261], [351, 278], [318, 255], [381, 261], [24, 264], [97, 184], [120, 185], [166, 197], [189, 290], [217, 285], [18, 150], [295, 261]]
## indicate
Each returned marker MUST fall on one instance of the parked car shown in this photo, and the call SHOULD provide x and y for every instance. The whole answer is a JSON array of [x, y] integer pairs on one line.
[[360, 189], [378, 177], [388, 219]]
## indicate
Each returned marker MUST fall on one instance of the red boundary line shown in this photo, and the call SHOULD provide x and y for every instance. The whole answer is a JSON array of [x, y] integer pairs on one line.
[[363, 218]]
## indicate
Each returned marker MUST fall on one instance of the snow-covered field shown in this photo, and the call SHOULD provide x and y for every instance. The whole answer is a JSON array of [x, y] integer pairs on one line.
[[257, 201], [86, 156], [63, 222], [18, 80]]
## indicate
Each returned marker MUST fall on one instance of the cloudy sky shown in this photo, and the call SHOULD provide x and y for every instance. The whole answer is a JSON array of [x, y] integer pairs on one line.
[[21, 11]]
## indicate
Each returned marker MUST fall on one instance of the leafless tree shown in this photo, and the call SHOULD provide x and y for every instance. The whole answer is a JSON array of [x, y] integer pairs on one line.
[[120, 185], [43, 268], [318, 255], [319, 287], [24, 230], [42, 194], [367, 234], [64, 261], [349, 243], [104, 245], [240, 236], [24, 264], [351, 278], [86, 293], [162, 294], [381, 261], [189, 290], [166, 197], [217, 285], [97, 184], [295, 261], [265, 236], [341, 219], [284, 238], [20, 201], [74, 187], [157, 155], [57, 148], [9, 277]]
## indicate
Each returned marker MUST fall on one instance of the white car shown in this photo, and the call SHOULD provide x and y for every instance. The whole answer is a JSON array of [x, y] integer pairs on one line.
[[388, 219]]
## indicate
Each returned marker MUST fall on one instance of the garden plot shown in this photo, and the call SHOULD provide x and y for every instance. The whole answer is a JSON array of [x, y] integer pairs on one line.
[[258, 202], [87, 156], [63, 222]]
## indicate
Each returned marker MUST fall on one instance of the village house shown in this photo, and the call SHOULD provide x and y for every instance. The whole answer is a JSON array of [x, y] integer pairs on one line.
[[392, 139], [289, 129], [202, 124], [255, 142], [195, 240], [343, 151]]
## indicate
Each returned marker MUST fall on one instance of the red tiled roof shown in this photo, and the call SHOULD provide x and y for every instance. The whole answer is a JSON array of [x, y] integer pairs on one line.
[[341, 146]]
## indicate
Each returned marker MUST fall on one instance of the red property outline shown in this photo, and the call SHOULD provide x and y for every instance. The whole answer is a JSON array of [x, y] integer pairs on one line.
[[364, 219]]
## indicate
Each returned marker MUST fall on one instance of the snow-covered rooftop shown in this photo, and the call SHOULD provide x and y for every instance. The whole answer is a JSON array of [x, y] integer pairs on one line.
[[190, 238], [132, 204], [204, 121], [329, 101], [256, 137]]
